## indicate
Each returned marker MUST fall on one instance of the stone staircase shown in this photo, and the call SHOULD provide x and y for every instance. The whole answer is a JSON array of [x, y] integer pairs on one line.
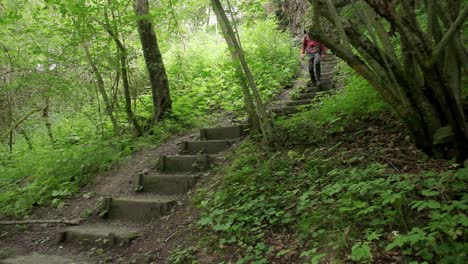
[[156, 193], [306, 93]]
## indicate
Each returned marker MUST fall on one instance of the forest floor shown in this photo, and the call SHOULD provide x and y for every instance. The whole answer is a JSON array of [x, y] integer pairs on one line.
[[173, 232], [373, 138]]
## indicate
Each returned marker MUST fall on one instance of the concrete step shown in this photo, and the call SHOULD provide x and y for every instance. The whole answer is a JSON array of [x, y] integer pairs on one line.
[[327, 74], [184, 163], [327, 67], [325, 82], [98, 235], [287, 110], [138, 208], [166, 184], [223, 133], [299, 102], [306, 96], [36, 258], [205, 147]]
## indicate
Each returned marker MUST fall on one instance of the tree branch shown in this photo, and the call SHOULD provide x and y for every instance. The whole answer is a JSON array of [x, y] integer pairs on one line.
[[448, 35]]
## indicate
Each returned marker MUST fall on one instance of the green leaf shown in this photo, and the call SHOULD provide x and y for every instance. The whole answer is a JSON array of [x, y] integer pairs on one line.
[[316, 259], [429, 193], [206, 220], [433, 204], [221, 227], [361, 252]]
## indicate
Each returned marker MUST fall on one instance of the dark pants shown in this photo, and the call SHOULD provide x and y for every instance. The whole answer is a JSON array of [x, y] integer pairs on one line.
[[314, 66]]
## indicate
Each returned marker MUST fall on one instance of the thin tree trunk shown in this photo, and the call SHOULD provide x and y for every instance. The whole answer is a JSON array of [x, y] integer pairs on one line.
[[128, 100], [253, 120], [102, 90], [122, 54], [265, 122], [10, 123], [26, 137], [162, 103], [48, 124]]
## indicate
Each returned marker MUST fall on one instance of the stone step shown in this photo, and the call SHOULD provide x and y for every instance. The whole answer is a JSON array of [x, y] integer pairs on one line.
[[36, 258], [330, 61], [323, 83], [327, 67], [98, 235], [166, 184], [306, 96], [184, 163], [287, 110], [205, 147], [139, 208], [223, 133], [299, 102], [327, 74]]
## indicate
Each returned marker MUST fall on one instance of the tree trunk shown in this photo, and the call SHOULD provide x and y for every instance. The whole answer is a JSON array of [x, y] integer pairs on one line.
[[48, 124], [102, 90], [26, 137], [265, 123], [128, 100], [157, 73], [423, 85], [122, 54], [10, 122], [253, 119]]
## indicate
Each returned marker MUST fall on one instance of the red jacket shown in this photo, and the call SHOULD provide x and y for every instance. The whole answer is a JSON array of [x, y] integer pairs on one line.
[[312, 46]]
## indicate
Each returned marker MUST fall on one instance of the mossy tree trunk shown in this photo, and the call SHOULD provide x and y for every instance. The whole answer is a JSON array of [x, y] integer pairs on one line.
[[162, 103], [421, 78]]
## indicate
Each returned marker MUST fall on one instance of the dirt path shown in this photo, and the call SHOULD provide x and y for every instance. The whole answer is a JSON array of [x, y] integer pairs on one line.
[[158, 232], [156, 239]]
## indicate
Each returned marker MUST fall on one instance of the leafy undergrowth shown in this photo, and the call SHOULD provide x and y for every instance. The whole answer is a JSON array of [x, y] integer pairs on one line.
[[345, 185], [50, 174], [203, 86]]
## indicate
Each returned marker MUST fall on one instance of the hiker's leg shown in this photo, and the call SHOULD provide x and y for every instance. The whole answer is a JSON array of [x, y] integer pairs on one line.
[[317, 66], [311, 59]]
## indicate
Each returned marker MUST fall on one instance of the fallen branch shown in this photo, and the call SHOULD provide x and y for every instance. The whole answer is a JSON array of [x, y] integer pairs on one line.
[[53, 221]]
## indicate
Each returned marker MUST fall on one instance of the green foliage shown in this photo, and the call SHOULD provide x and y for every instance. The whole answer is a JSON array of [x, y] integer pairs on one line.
[[358, 98], [48, 175], [182, 256], [203, 78], [52, 172], [355, 212]]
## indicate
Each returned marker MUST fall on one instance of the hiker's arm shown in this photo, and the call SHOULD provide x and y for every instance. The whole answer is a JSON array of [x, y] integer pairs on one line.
[[304, 45], [324, 49]]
